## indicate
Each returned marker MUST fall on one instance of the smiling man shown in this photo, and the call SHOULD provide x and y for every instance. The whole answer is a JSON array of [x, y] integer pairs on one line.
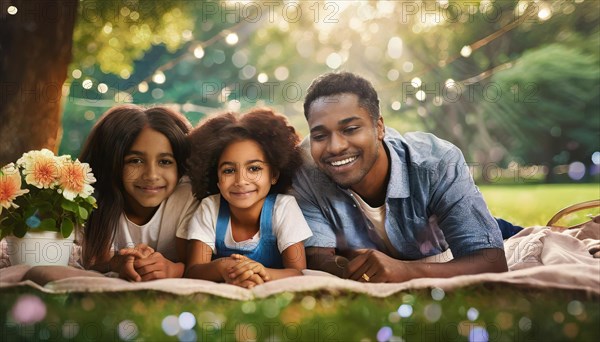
[[379, 202]]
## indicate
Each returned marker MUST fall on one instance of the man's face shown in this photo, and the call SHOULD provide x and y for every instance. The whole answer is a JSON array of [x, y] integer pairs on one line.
[[344, 141]]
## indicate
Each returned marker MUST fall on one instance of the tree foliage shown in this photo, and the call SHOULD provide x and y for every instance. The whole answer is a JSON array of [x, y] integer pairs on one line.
[[490, 76]]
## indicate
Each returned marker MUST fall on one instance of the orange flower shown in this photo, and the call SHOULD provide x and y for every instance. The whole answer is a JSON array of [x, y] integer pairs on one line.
[[75, 179], [10, 186], [40, 168]]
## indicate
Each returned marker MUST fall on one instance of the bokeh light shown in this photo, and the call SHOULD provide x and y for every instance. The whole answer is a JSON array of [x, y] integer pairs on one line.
[[472, 314], [28, 309], [170, 325], [437, 293], [576, 170], [432, 312], [187, 320], [159, 77], [198, 52], [143, 87], [596, 158], [466, 51], [232, 39], [334, 60], [478, 334], [127, 330], [102, 88], [575, 308], [87, 84], [308, 302], [416, 82], [405, 310], [384, 334], [262, 77]]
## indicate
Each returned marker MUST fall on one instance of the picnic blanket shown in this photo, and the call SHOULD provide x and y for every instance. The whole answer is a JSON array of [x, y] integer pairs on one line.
[[538, 257]]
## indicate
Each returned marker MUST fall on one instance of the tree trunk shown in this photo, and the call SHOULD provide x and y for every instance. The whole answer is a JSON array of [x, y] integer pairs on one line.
[[35, 51]]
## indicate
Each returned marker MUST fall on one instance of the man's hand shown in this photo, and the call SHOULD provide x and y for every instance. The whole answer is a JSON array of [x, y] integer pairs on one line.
[[373, 266]]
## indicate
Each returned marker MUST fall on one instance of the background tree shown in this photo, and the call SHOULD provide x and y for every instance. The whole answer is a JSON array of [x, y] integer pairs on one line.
[[35, 50]]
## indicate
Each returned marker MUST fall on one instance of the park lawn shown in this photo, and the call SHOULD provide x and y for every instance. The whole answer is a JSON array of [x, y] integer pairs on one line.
[[476, 313], [530, 205]]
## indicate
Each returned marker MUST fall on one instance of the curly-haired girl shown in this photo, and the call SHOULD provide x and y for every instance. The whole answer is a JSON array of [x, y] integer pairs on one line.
[[246, 231]]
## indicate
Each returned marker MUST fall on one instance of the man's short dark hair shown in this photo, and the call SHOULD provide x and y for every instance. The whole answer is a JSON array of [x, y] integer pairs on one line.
[[343, 83]]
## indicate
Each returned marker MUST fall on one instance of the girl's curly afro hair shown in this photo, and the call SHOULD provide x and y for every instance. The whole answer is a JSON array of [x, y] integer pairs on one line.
[[278, 140]]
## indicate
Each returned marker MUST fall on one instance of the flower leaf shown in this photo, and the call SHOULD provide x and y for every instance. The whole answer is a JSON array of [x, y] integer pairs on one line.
[[20, 230], [30, 211], [91, 200], [69, 206], [66, 227], [7, 225], [48, 224], [7, 221], [44, 207], [83, 214]]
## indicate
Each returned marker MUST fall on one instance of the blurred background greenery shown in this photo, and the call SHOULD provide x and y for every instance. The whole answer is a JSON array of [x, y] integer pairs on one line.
[[514, 83]]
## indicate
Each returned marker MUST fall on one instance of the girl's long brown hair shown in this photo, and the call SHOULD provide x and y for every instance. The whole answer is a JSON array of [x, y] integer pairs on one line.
[[105, 148]]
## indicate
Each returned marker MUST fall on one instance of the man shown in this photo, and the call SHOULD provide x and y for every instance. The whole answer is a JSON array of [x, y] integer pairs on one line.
[[377, 202]]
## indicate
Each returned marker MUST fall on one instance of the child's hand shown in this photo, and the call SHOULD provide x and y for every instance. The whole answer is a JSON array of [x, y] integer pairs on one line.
[[156, 266], [249, 283], [246, 269], [125, 258], [123, 264], [140, 251]]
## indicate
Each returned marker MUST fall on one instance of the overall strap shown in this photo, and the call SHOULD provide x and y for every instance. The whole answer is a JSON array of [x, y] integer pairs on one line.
[[222, 220], [266, 216], [266, 252]]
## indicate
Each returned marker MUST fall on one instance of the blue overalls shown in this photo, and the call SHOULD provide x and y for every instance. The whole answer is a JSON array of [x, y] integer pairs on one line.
[[266, 252]]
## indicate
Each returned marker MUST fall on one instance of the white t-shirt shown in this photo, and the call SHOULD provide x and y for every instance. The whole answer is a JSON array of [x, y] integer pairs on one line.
[[289, 226], [159, 233], [377, 218]]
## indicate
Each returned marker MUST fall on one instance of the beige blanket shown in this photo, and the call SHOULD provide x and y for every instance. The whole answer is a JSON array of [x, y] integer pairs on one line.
[[537, 257]]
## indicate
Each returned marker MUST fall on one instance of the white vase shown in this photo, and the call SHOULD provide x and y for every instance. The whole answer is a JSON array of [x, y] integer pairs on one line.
[[40, 249]]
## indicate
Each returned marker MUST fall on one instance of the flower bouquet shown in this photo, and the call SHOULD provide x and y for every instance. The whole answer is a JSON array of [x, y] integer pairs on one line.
[[56, 196]]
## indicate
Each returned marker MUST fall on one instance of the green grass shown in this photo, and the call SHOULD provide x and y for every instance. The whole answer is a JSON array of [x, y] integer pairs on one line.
[[529, 205], [503, 312]]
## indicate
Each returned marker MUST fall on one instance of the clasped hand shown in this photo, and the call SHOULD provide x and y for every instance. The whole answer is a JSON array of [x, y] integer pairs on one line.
[[368, 265], [142, 263], [243, 271]]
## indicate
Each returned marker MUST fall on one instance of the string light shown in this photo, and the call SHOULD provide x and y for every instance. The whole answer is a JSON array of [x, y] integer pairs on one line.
[[232, 39], [334, 60], [199, 52], [159, 77], [466, 51]]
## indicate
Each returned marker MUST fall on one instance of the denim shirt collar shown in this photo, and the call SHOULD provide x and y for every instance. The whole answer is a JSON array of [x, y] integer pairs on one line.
[[398, 186]]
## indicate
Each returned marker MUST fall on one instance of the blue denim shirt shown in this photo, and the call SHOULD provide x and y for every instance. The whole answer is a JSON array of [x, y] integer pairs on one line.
[[431, 203]]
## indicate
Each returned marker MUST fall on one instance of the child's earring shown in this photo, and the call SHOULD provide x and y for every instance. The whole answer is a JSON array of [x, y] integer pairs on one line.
[[273, 181]]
